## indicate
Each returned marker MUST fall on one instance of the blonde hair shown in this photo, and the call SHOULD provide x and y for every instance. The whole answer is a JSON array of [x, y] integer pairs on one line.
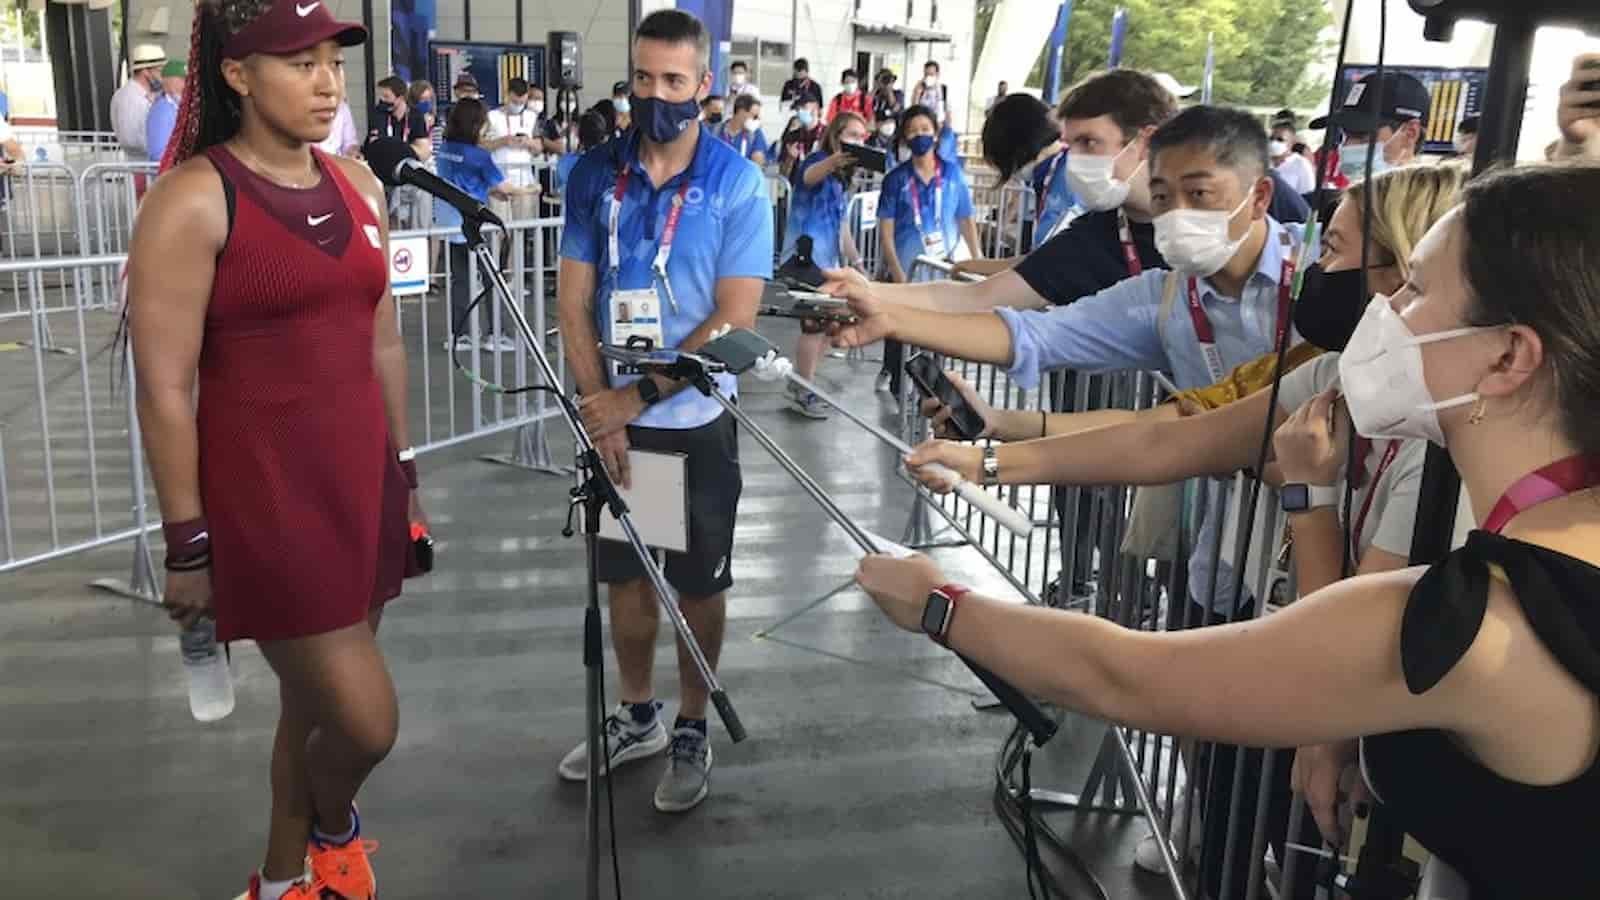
[[1405, 204]]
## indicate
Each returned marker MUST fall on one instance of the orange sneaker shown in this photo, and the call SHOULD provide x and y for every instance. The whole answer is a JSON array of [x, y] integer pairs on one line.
[[308, 888], [343, 869]]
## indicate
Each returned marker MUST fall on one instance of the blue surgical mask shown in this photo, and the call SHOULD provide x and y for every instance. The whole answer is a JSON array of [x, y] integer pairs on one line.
[[622, 105], [424, 106], [1353, 160], [807, 117], [664, 122], [921, 145]]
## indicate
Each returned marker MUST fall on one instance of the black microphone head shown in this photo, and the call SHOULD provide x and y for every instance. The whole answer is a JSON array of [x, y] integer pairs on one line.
[[384, 156]]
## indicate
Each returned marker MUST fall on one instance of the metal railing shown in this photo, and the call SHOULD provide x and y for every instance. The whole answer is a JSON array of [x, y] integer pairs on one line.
[[72, 474], [1135, 773]]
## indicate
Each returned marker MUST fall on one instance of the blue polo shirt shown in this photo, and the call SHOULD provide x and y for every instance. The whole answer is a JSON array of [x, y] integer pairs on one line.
[[816, 212], [747, 142], [470, 168], [894, 202], [1053, 197], [725, 231]]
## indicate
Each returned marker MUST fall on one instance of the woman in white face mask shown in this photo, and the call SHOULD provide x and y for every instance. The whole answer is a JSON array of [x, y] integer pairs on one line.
[[1475, 683]]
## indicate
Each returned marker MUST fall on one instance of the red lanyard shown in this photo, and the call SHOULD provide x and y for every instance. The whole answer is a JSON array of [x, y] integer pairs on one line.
[[1557, 480], [1044, 192], [668, 232], [1208, 337], [1130, 253], [938, 197], [1389, 454]]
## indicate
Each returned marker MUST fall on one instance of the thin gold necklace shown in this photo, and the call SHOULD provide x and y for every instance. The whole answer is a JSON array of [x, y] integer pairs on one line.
[[266, 171]]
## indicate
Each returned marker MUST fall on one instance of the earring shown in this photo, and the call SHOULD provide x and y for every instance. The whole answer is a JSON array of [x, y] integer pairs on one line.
[[1477, 412]]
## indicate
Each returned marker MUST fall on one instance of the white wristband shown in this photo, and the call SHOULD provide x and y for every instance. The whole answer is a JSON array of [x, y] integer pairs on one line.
[[406, 455]]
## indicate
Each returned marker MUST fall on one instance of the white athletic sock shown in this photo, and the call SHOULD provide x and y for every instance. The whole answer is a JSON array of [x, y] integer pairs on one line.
[[274, 890]]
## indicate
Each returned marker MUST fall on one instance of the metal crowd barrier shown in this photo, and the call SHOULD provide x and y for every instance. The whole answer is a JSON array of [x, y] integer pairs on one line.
[[1135, 773], [72, 474]]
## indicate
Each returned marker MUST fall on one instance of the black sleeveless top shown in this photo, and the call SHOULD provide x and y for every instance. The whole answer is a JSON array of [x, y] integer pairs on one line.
[[1508, 839]]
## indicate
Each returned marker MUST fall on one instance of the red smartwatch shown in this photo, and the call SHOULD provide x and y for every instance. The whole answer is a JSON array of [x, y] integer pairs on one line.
[[940, 611]]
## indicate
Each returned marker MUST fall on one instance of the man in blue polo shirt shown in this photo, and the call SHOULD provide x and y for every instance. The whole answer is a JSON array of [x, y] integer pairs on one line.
[[668, 236]]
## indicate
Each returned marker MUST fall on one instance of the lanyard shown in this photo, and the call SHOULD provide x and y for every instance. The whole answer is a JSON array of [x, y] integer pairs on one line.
[[1208, 337], [1130, 253], [1389, 454], [1557, 480], [1044, 191], [668, 232], [404, 125], [938, 198]]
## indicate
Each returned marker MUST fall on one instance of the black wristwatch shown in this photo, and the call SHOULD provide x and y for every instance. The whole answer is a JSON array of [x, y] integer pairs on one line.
[[940, 611], [1306, 497], [649, 391]]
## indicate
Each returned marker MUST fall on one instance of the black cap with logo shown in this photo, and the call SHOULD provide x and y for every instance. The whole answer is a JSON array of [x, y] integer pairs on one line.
[[1404, 98]]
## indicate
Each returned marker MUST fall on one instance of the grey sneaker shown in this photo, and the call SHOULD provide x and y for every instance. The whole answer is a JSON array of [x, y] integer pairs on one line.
[[627, 743], [688, 777], [808, 404]]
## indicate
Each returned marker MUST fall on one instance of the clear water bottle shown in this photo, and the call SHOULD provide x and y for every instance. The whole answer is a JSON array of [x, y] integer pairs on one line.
[[210, 683]]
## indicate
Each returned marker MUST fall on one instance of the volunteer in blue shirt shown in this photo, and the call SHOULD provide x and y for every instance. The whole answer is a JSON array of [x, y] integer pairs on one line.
[[817, 209], [467, 165], [924, 209], [743, 130], [668, 236], [163, 116]]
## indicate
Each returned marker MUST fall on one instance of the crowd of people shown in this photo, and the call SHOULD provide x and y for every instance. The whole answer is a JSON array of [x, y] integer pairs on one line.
[[1458, 312]]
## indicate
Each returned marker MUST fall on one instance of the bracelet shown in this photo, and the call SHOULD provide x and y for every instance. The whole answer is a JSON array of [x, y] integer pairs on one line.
[[406, 455], [187, 541], [1044, 424], [408, 467]]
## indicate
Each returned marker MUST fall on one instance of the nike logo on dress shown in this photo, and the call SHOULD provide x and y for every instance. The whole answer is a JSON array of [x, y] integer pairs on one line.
[[314, 221], [303, 11]]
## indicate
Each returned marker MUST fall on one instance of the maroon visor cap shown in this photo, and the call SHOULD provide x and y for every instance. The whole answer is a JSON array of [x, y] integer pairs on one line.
[[291, 26]]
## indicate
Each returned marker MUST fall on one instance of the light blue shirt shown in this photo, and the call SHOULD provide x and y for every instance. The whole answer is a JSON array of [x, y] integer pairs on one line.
[[816, 212], [1116, 330], [1050, 183], [938, 216], [725, 231], [158, 126], [747, 142]]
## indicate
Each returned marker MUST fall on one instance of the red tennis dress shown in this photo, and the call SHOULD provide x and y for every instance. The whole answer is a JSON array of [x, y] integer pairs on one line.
[[305, 501]]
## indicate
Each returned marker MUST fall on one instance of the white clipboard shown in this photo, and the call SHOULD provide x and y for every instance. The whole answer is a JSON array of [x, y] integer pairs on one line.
[[658, 501]]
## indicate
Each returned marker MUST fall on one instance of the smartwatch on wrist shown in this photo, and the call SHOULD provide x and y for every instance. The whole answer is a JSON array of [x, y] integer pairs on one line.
[[1306, 497], [649, 391], [940, 611], [991, 465]]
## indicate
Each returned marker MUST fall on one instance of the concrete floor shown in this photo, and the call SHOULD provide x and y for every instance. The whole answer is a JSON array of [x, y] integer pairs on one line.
[[867, 772]]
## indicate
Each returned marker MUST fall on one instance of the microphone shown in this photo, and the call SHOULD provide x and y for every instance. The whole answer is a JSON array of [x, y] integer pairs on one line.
[[394, 162]]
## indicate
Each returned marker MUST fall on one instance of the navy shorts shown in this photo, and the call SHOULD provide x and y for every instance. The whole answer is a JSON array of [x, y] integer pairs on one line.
[[714, 484]]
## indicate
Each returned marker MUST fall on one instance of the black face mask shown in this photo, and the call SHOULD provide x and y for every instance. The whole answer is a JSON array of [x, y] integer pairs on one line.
[[386, 107], [713, 118], [1330, 306]]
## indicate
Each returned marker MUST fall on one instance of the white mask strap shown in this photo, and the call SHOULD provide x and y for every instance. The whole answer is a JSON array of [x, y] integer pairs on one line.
[[1436, 336], [1453, 402]]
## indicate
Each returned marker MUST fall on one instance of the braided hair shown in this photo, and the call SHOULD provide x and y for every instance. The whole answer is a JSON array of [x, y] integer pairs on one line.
[[211, 110]]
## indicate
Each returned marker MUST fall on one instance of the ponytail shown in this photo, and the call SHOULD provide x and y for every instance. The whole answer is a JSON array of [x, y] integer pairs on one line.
[[210, 113]]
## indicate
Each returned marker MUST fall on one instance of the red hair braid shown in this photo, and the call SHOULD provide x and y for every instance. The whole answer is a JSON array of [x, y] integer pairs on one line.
[[187, 131]]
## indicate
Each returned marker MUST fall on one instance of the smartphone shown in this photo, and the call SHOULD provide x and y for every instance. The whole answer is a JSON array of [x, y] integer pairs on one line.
[[1593, 65], [422, 547], [932, 382], [868, 158], [809, 311], [738, 350]]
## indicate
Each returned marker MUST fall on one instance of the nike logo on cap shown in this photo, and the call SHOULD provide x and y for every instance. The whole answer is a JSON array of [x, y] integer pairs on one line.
[[314, 221], [303, 11]]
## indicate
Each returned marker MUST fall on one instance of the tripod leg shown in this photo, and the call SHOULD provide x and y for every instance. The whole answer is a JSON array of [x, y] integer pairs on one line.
[[594, 670]]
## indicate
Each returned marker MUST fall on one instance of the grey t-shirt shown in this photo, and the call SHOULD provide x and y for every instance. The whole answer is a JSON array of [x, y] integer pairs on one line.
[[1393, 513]]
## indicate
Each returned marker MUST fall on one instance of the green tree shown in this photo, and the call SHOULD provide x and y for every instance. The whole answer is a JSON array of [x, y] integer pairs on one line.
[[1263, 47]]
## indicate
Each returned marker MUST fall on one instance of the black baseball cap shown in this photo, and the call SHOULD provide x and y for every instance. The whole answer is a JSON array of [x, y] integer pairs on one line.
[[620, 87], [1404, 98]]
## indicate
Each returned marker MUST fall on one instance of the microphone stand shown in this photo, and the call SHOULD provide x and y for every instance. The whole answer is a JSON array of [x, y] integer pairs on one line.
[[596, 491]]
